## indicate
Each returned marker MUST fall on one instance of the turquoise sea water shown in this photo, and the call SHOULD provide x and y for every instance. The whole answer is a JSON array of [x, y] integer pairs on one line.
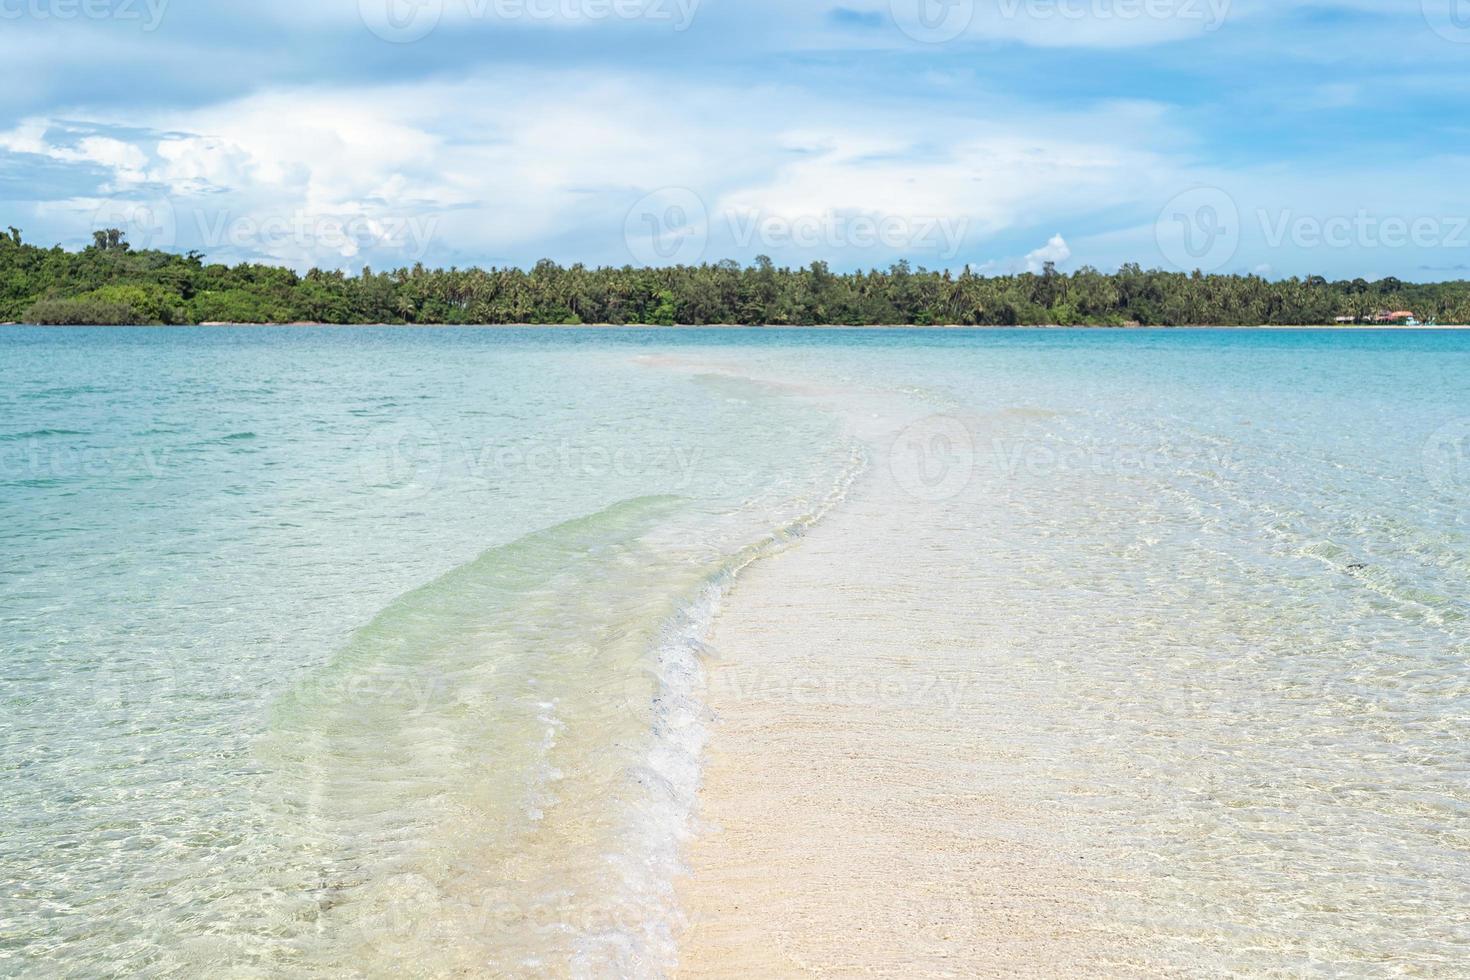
[[337, 652]]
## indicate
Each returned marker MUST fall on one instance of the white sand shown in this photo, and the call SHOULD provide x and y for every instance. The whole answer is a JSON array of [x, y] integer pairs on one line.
[[860, 812]]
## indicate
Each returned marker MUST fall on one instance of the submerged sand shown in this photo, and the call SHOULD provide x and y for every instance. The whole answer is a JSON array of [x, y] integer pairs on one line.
[[857, 816]]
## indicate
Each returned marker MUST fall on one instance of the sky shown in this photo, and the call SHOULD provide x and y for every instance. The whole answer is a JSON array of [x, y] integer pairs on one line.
[[1275, 137]]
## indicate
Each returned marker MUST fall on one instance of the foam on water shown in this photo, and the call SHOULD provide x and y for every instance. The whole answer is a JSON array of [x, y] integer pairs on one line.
[[651, 858]]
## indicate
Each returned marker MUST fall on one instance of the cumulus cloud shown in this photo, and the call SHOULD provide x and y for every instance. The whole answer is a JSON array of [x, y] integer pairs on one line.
[[33, 136], [1055, 251], [887, 146], [502, 179]]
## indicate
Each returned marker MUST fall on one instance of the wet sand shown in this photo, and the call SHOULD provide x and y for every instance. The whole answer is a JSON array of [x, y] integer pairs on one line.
[[857, 816]]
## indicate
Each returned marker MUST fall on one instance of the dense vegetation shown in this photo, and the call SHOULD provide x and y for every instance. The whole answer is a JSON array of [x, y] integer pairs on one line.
[[109, 283]]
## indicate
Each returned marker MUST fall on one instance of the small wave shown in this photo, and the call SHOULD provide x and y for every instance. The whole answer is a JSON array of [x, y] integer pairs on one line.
[[1410, 597], [66, 392], [467, 727], [40, 434], [673, 770], [543, 700], [33, 484]]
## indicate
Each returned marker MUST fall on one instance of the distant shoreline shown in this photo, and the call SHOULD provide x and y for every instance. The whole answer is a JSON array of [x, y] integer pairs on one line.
[[682, 327], [110, 283]]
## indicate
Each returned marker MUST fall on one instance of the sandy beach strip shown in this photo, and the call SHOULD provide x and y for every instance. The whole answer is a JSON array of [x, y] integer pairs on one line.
[[857, 817]]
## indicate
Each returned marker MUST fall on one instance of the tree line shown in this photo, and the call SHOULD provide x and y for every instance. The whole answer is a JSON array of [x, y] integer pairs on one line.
[[111, 283]]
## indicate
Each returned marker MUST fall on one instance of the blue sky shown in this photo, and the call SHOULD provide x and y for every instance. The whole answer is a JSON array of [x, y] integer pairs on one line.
[[1270, 136]]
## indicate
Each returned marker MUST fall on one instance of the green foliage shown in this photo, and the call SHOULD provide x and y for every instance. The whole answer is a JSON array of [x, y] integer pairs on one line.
[[114, 304], [236, 306], [110, 283], [664, 314], [83, 310]]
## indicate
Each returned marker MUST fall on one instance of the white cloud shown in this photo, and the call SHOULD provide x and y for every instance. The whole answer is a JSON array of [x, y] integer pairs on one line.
[[1055, 250], [27, 137], [125, 159], [507, 178], [496, 169]]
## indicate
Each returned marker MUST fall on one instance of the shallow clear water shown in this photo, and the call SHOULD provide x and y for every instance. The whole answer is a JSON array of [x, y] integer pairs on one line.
[[343, 651]]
